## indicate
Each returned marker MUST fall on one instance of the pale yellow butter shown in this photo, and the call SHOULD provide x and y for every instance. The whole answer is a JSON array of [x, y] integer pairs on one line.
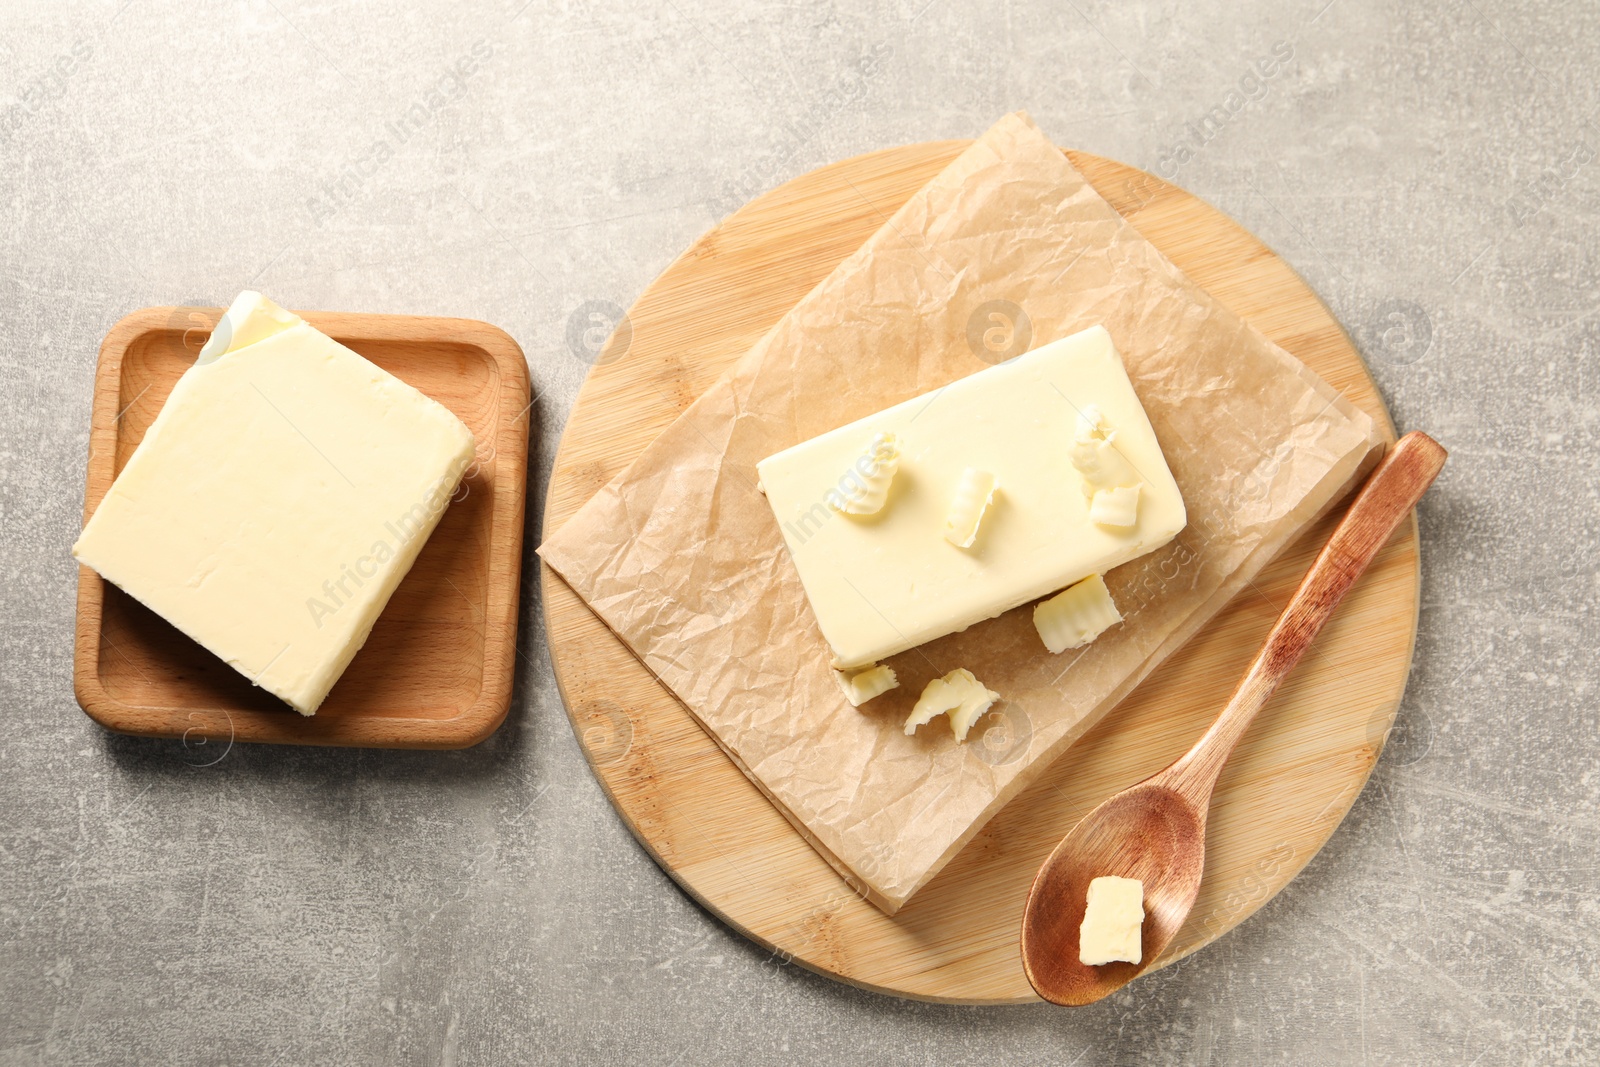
[[959, 694], [974, 494], [278, 498], [1113, 922], [863, 489], [893, 581], [1077, 615], [1115, 507], [864, 685]]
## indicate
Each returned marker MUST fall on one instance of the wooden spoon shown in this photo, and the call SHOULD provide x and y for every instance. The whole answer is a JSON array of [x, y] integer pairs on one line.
[[1156, 831]]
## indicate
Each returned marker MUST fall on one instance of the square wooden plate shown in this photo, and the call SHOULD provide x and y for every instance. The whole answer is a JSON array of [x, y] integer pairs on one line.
[[436, 671]]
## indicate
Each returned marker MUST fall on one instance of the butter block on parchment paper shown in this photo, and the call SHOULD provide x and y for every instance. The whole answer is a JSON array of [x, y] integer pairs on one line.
[[682, 558]]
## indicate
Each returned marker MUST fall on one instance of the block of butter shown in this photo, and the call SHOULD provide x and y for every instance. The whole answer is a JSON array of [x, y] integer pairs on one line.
[[278, 498], [882, 583], [1113, 922]]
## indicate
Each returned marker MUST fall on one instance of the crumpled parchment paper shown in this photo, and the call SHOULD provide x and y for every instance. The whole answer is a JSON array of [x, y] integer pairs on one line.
[[682, 557]]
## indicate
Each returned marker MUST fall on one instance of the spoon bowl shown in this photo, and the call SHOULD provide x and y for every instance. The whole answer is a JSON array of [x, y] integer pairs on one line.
[[1150, 832]]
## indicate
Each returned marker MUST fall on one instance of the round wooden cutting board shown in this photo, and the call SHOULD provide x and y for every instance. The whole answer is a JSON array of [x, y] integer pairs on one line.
[[1288, 785]]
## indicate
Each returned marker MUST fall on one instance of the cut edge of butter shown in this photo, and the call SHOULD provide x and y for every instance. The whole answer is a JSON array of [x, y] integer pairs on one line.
[[1113, 922], [866, 684], [959, 694], [974, 494], [250, 318], [1076, 615]]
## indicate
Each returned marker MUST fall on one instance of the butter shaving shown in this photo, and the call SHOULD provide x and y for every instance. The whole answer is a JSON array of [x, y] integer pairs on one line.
[[1076, 615], [959, 694], [861, 686], [972, 500], [864, 488]]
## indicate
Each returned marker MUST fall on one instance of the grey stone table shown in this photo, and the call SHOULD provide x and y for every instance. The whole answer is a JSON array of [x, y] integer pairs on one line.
[[1430, 170]]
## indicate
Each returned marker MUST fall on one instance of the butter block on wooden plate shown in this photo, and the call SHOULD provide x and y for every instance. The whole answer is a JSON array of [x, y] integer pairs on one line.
[[278, 499]]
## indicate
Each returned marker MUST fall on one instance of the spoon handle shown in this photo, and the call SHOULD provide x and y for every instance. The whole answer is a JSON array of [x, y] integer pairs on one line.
[[1389, 494]]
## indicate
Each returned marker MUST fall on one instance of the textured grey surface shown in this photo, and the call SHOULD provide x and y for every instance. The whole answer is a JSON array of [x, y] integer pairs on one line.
[[1429, 170]]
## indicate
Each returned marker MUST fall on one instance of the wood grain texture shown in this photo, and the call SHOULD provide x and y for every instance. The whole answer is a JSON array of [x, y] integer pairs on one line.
[[1155, 832], [436, 671], [1289, 784]]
